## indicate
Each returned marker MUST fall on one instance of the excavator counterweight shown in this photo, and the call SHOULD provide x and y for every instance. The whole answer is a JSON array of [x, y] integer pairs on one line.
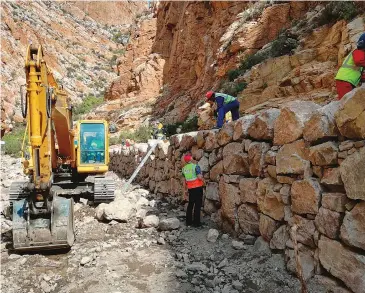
[[62, 163]]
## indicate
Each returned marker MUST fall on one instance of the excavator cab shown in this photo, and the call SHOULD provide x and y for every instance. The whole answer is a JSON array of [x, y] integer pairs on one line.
[[92, 152]]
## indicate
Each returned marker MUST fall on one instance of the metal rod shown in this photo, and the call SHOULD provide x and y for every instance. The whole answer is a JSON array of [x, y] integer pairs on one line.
[[126, 186]]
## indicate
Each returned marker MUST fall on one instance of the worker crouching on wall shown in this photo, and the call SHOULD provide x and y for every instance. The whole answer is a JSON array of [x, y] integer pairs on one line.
[[352, 71], [225, 103], [194, 182]]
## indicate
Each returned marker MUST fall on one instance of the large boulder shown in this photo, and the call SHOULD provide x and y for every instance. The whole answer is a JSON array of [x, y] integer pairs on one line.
[[248, 187], [150, 221], [290, 123], [328, 222], [169, 224], [230, 197], [235, 161], [306, 196], [293, 158], [334, 201], [99, 211], [344, 264], [322, 125], [248, 218], [324, 154], [350, 118], [262, 127], [212, 191], [188, 140], [204, 164], [225, 134], [269, 201], [256, 157], [121, 210], [306, 257], [332, 177], [305, 231], [279, 238], [353, 227], [216, 171], [267, 227], [211, 141], [352, 173], [241, 127]]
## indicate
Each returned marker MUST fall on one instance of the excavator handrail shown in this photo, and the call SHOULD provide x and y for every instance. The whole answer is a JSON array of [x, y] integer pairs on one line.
[[24, 136]]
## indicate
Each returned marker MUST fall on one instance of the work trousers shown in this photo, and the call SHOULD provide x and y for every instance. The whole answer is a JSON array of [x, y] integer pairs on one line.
[[234, 108], [343, 87], [195, 202]]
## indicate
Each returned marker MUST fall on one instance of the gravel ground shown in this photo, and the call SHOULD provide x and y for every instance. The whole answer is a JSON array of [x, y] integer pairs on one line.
[[112, 257]]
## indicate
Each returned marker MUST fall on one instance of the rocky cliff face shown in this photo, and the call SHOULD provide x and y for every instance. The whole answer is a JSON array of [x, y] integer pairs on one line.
[[140, 78], [81, 40], [266, 53]]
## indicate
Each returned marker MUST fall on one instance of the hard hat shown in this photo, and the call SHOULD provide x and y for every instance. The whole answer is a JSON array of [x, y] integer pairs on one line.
[[361, 42], [209, 95], [188, 158]]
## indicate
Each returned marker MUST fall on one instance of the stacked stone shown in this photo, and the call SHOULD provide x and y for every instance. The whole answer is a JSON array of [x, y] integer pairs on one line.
[[302, 165]]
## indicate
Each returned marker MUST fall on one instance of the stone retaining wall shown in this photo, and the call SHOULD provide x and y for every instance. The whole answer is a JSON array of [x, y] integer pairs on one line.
[[299, 165]]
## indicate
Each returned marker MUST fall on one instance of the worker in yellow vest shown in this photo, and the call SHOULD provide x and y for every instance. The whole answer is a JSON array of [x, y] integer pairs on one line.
[[194, 182], [352, 70], [225, 103]]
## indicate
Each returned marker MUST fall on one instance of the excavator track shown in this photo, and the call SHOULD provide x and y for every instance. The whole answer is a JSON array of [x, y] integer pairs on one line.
[[103, 190]]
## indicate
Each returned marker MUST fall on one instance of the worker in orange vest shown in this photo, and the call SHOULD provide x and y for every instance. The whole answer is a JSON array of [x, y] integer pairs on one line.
[[194, 182]]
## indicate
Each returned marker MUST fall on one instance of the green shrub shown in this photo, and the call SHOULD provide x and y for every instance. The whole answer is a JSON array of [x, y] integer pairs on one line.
[[119, 38], [113, 60], [114, 140], [119, 51], [142, 134], [171, 128], [234, 73], [191, 124], [335, 11], [283, 45], [232, 88], [87, 105], [13, 141], [254, 59]]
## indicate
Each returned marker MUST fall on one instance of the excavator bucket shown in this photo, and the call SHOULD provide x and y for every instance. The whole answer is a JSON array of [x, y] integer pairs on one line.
[[54, 232]]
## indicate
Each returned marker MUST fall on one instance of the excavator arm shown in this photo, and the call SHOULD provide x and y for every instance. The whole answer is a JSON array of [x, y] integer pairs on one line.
[[40, 218]]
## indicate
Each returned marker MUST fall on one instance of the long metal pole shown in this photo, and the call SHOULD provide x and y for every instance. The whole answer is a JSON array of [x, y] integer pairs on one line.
[[126, 186]]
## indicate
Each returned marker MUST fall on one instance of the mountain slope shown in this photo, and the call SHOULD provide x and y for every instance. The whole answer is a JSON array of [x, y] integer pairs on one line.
[[79, 49]]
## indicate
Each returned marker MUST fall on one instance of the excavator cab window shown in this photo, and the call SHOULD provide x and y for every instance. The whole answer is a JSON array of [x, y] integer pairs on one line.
[[92, 143]]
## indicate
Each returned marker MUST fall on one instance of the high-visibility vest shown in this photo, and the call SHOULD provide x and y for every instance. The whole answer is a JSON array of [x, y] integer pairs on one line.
[[349, 71], [191, 178], [227, 98]]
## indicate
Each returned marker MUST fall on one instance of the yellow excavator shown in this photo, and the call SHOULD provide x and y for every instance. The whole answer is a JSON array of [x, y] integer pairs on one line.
[[58, 159]]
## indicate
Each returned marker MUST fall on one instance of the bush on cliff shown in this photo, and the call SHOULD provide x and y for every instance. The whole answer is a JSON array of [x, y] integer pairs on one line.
[[337, 10], [189, 125], [13, 141], [87, 105], [142, 134]]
